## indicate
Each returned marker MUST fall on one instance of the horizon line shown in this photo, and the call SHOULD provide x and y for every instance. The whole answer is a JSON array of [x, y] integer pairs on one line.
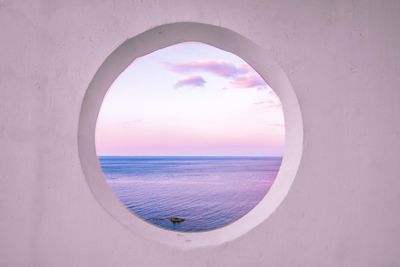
[[253, 156]]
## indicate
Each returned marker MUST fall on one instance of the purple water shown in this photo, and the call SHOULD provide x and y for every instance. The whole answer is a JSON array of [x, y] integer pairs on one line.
[[208, 192]]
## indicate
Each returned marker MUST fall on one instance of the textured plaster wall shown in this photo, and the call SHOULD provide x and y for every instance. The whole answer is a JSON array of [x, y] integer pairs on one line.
[[343, 60]]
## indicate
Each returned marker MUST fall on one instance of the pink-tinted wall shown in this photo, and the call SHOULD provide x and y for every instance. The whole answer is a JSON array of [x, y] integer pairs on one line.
[[343, 60]]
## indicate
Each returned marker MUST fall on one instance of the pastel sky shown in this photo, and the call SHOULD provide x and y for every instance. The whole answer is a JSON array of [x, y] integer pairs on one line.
[[190, 99]]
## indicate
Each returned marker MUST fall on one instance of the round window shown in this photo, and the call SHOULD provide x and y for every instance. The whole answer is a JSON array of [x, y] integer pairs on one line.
[[177, 131], [190, 137]]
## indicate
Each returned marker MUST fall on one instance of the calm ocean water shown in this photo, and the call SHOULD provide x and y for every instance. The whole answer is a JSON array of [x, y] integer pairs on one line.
[[208, 192]]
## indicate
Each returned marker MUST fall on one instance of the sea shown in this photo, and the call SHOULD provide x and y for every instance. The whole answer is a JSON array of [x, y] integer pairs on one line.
[[207, 192]]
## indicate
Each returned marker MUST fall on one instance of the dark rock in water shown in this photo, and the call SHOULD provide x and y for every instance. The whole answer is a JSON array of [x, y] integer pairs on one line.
[[176, 220]]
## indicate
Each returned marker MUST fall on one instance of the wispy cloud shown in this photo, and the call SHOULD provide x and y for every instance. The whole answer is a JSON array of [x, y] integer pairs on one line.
[[270, 103], [279, 125], [248, 81], [132, 123], [194, 81], [220, 68], [242, 76]]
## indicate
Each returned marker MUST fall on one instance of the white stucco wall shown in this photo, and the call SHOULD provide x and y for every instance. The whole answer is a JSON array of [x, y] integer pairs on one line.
[[343, 60]]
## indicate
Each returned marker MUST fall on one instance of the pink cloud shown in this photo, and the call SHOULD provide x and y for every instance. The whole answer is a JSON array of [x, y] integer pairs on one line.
[[220, 68], [194, 81], [248, 81], [241, 76]]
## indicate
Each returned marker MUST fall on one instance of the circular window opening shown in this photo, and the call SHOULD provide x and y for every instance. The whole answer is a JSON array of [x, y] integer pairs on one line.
[[144, 44], [190, 137]]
